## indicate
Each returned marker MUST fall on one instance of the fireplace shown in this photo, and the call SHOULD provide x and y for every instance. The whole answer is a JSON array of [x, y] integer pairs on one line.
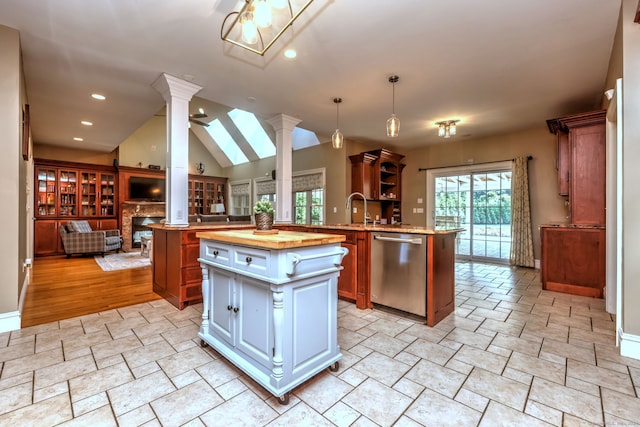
[[140, 229], [135, 218]]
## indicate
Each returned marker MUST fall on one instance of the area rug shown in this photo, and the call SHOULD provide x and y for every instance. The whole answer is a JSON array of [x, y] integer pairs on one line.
[[122, 261]]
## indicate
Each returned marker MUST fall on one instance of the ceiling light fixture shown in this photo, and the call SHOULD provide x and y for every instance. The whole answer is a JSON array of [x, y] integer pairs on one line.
[[447, 128], [86, 123], [260, 23], [78, 139], [337, 139], [98, 96], [393, 124]]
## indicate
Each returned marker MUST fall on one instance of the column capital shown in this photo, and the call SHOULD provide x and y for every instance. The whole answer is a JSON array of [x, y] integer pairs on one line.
[[283, 122], [173, 87]]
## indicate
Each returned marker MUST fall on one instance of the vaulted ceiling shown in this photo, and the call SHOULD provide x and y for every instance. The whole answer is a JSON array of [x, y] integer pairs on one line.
[[497, 66]]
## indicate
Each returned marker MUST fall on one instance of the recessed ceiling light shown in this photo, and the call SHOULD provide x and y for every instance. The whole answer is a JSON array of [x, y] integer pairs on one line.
[[290, 53], [78, 139], [98, 96], [86, 123]]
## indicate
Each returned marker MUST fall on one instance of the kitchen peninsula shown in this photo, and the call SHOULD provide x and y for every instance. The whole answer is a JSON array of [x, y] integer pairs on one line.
[[438, 261], [177, 275]]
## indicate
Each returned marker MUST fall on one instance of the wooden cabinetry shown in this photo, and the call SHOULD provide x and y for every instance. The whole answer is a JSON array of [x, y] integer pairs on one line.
[[177, 275], [378, 175], [573, 260], [581, 145], [355, 242], [205, 193], [65, 191], [573, 257]]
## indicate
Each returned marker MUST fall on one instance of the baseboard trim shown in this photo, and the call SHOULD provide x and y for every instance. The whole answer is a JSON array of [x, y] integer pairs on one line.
[[9, 321], [536, 264], [629, 345]]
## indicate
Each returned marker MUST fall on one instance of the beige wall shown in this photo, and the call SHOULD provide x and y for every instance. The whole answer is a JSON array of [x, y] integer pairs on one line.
[[11, 164], [51, 152], [148, 146], [631, 172], [546, 205]]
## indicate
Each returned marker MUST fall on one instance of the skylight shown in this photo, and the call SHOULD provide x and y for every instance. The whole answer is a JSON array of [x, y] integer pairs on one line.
[[302, 138], [226, 143], [253, 132]]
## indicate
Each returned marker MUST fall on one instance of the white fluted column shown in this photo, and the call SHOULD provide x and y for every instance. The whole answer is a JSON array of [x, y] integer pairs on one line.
[[283, 125], [177, 93]]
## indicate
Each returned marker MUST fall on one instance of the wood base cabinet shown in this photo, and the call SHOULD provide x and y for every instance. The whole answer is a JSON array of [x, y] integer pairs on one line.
[[573, 260]]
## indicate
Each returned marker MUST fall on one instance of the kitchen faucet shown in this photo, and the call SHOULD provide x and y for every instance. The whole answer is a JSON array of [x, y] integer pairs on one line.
[[348, 206]]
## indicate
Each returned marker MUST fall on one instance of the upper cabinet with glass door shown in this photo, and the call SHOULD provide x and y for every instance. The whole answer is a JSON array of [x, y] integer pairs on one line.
[[46, 191]]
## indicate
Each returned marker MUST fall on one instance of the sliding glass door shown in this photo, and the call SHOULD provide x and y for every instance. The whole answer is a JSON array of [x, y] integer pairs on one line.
[[477, 199]]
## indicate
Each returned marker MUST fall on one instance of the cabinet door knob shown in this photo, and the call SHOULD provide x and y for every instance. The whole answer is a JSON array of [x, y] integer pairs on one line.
[[248, 259], [236, 309], [229, 307], [215, 253]]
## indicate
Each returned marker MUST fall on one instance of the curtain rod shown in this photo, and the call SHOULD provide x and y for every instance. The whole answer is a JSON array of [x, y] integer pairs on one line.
[[470, 164]]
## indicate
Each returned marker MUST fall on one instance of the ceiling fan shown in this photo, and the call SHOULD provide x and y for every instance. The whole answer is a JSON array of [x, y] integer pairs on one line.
[[194, 117]]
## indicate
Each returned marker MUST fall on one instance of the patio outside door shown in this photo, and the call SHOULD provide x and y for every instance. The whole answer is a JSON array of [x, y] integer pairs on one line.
[[478, 201]]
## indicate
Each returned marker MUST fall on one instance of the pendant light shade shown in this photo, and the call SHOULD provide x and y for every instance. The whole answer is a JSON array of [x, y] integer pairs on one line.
[[337, 139], [249, 28], [393, 124]]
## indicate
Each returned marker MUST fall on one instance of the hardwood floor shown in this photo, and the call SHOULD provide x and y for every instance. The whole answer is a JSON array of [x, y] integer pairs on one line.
[[62, 288]]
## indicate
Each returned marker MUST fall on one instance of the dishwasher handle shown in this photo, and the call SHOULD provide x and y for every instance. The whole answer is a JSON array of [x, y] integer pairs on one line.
[[413, 241]]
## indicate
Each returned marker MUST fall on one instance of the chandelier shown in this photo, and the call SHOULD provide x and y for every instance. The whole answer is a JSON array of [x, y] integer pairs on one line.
[[260, 23], [447, 128]]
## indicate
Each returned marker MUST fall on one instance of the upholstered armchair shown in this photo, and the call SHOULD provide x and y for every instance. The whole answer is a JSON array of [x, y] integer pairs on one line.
[[79, 238]]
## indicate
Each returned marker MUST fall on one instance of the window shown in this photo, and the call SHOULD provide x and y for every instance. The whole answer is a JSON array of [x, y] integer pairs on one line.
[[307, 191], [308, 207], [240, 198], [308, 196]]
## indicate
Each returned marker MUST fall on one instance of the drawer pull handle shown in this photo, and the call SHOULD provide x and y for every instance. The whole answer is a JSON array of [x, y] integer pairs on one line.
[[229, 307], [248, 259], [215, 253], [236, 309]]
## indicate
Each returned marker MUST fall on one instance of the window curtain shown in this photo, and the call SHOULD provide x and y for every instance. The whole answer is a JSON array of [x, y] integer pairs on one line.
[[521, 236]]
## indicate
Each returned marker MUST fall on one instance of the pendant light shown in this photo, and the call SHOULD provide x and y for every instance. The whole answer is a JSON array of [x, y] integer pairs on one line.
[[393, 124], [337, 139], [249, 28]]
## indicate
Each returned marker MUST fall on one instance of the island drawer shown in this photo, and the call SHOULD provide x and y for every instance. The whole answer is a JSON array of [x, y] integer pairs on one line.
[[252, 260], [216, 253]]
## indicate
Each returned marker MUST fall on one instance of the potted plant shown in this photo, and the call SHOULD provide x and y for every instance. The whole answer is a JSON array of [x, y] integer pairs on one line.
[[263, 210]]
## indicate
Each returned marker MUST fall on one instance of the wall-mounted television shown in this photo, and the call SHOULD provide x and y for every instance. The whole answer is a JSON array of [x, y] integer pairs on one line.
[[146, 189]]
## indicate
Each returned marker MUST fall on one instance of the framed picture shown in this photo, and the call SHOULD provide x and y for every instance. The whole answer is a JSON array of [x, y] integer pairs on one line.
[[26, 130]]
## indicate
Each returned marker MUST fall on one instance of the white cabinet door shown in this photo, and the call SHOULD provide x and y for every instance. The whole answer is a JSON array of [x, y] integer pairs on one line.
[[254, 327], [222, 305]]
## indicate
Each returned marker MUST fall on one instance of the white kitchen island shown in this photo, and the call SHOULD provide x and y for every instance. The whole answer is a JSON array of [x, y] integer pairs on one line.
[[270, 303]]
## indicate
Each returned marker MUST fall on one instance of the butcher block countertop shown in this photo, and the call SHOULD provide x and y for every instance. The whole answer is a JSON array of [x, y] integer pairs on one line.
[[281, 240], [388, 228]]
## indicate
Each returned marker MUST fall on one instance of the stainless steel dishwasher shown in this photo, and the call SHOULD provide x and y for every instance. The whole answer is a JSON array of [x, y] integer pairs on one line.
[[399, 271]]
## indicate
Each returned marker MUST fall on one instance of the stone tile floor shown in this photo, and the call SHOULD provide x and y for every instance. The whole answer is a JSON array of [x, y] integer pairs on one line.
[[511, 354]]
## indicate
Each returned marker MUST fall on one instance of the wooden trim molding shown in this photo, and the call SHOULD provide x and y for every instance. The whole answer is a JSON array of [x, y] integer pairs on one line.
[[637, 18]]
